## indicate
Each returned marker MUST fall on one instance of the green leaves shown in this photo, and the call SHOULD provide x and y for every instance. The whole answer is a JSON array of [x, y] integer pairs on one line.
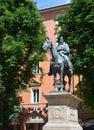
[[78, 31], [21, 36], [13, 51]]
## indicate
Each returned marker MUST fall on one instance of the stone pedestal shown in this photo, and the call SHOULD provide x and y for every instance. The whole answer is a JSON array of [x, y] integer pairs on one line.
[[62, 111]]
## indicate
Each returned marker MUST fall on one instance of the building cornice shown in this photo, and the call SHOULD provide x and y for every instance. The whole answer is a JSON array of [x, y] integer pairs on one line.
[[54, 8]]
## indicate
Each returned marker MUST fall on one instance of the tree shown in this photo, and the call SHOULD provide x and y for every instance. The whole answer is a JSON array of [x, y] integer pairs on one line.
[[77, 27], [21, 36]]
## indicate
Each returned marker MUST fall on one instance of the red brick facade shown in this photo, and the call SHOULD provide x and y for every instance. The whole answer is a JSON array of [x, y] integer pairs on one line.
[[47, 83], [35, 114], [46, 86]]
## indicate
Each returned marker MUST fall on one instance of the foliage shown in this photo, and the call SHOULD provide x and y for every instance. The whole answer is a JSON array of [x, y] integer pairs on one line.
[[21, 36], [77, 27]]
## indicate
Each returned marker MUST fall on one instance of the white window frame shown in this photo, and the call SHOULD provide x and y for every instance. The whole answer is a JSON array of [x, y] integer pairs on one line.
[[36, 69], [37, 96]]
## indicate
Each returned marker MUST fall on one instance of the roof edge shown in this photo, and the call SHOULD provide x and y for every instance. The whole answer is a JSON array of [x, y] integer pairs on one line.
[[53, 8]]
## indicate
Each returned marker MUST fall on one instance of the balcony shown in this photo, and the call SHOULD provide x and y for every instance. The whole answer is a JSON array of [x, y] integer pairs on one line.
[[34, 108]]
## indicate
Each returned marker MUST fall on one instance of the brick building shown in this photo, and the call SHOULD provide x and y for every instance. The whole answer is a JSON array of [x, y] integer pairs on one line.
[[34, 106]]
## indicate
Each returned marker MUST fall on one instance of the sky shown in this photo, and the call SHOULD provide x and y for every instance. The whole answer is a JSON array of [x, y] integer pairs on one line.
[[43, 4]]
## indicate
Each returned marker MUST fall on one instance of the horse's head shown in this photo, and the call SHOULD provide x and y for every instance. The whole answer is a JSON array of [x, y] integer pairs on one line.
[[47, 44]]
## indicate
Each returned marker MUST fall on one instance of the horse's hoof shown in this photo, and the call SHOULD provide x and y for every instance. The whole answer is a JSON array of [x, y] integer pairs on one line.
[[69, 91]]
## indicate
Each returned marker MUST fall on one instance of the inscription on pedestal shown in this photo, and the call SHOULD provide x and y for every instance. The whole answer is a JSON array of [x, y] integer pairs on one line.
[[72, 114]]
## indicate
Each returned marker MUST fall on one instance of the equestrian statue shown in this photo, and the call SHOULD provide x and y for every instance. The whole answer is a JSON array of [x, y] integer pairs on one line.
[[60, 62]]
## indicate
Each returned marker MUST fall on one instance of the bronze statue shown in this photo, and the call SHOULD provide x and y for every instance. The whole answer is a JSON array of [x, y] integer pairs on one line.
[[64, 51], [60, 62]]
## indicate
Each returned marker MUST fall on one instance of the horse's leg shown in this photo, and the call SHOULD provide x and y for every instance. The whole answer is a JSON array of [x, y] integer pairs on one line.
[[61, 80], [69, 90], [70, 80], [55, 79], [70, 74], [64, 82]]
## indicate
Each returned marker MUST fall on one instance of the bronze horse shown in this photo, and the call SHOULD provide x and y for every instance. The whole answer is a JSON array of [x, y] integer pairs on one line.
[[58, 65]]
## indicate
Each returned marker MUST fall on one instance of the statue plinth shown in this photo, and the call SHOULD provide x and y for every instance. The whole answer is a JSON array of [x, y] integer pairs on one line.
[[62, 111]]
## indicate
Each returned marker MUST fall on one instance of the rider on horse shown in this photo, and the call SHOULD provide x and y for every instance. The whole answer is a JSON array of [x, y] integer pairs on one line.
[[64, 51]]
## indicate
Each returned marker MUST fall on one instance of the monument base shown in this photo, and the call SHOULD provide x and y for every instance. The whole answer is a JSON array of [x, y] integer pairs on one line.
[[62, 111], [62, 126]]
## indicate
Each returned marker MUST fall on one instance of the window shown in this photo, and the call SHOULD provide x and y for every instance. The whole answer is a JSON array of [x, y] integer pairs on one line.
[[35, 95], [36, 69]]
